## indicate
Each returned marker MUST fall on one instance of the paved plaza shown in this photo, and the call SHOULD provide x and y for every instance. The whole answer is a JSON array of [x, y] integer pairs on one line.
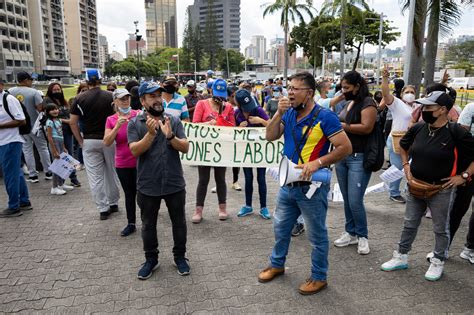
[[60, 258]]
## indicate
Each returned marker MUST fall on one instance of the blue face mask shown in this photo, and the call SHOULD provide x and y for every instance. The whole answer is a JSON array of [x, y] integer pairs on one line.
[[125, 111], [331, 93]]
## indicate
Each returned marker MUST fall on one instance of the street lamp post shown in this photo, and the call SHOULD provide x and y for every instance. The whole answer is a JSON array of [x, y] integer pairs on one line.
[[228, 69], [137, 40], [194, 61], [363, 55], [379, 52]]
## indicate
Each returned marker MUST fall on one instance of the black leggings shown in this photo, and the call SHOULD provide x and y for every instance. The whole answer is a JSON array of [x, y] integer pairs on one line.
[[128, 180], [461, 205], [204, 175], [235, 173]]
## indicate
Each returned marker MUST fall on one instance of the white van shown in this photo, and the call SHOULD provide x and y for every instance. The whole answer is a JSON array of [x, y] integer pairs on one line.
[[465, 83]]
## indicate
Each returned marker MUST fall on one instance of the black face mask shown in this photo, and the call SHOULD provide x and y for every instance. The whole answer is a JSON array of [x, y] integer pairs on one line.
[[170, 89], [57, 95], [301, 106], [155, 111], [350, 96], [191, 91], [428, 117]]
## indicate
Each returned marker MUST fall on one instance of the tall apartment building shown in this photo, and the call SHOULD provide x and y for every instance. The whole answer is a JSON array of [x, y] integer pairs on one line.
[[16, 49], [260, 44], [82, 36], [161, 26], [131, 46], [103, 52], [227, 20], [48, 38]]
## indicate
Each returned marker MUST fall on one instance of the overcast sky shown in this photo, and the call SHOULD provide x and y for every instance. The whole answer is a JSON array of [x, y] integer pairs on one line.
[[115, 19]]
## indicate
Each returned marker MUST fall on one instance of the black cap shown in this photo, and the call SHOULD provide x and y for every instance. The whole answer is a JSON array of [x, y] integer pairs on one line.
[[22, 76], [437, 98]]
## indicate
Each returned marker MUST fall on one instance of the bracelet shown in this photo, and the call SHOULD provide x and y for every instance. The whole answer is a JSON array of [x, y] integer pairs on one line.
[[172, 137], [320, 163]]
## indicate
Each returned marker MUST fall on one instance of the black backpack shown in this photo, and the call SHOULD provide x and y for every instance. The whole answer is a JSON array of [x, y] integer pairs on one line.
[[26, 128], [374, 151]]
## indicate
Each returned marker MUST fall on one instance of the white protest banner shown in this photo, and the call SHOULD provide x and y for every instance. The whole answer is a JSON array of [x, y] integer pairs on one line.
[[230, 146], [64, 166]]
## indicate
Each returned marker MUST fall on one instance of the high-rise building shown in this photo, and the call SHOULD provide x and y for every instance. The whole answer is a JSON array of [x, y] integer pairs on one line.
[[161, 26], [131, 46], [103, 52], [16, 53], [82, 37], [251, 53], [260, 43], [48, 38], [226, 20], [115, 55]]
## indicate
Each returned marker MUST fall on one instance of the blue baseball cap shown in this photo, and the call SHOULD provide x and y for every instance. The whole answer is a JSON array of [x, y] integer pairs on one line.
[[149, 87], [219, 88], [93, 74], [245, 100]]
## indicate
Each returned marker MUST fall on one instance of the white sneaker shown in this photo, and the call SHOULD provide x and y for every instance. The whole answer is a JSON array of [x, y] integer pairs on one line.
[[345, 240], [213, 190], [363, 246], [435, 271], [398, 261], [467, 254], [57, 191], [66, 187]]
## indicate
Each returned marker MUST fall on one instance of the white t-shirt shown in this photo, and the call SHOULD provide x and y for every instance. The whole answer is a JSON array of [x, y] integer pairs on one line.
[[401, 114], [466, 116], [9, 135]]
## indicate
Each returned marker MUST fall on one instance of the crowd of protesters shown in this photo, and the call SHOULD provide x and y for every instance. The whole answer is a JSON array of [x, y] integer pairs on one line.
[[132, 138]]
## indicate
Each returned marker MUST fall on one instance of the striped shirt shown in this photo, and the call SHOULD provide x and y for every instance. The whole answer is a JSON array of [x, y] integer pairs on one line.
[[176, 107]]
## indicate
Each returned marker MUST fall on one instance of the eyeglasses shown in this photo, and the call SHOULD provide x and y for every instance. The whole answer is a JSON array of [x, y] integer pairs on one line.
[[292, 88]]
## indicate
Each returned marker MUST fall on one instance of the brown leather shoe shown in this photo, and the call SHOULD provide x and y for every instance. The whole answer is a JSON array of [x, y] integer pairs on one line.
[[270, 273], [312, 286]]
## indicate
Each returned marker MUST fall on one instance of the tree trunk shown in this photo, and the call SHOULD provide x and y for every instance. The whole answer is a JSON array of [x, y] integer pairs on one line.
[[432, 42], [415, 39], [285, 68], [356, 60], [343, 37]]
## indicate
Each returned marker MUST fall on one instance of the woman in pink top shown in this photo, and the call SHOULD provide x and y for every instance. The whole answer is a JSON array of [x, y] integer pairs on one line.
[[213, 111], [125, 162]]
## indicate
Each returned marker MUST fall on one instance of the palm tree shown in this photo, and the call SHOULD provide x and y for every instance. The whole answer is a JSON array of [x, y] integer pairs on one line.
[[443, 16], [290, 10], [344, 9]]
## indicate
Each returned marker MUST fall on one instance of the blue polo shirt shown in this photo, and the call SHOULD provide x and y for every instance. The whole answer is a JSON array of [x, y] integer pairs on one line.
[[177, 107], [317, 143]]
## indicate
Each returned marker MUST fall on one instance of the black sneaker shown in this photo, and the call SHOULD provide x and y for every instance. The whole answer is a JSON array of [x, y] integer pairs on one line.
[[113, 208], [129, 229], [75, 182], [33, 179], [183, 266], [48, 175], [298, 228], [398, 199], [26, 206], [104, 215], [10, 213], [146, 271]]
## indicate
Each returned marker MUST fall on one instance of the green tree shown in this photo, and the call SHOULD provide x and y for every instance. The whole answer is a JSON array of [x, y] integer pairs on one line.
[[126, 67], [187, 53], [164, 55], [148, 69], [463, 52], [235, 61], [211, 46], [347, 11], [290, 11], [109, 72], [198, 48]]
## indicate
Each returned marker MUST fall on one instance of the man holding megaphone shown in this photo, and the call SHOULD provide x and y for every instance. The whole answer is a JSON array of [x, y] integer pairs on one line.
[[308, 131]]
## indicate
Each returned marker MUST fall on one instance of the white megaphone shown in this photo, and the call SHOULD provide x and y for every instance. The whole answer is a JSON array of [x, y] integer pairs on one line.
[[289, 174]]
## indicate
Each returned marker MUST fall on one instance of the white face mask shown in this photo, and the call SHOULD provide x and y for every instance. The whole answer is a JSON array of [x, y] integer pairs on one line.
[[409, 98]]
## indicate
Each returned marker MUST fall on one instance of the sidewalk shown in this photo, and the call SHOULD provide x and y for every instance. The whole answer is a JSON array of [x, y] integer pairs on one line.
[[61, 258]]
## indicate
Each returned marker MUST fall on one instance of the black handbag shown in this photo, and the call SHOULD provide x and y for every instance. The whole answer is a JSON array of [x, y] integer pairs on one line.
[[374, 151]]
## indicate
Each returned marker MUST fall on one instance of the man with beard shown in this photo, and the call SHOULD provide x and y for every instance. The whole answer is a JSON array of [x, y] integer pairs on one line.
[[156, 138], [308, 130], [192, 98]]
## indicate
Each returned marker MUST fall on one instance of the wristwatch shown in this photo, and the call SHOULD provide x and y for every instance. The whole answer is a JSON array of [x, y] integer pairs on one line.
[[171, 137], [466, 176]]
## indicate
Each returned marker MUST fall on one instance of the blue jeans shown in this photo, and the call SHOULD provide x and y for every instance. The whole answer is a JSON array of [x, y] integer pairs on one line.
[[262, 186], [10, 162], [353, 180], [292, 202], [396, 160]]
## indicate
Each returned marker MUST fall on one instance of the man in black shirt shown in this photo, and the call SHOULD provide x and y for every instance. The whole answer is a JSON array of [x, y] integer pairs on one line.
[[442, 153], [92, 108]]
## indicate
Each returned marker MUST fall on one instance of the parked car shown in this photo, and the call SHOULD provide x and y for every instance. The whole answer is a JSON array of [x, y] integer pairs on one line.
[[465, 83]]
